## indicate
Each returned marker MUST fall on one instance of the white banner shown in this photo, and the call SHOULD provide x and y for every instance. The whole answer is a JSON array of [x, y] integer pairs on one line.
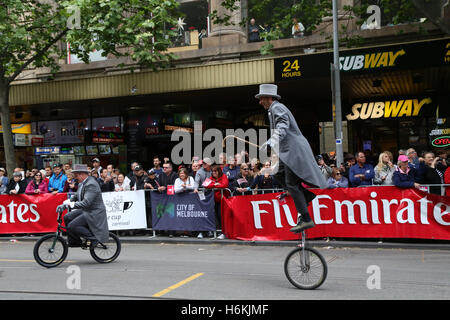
[[125, 210]]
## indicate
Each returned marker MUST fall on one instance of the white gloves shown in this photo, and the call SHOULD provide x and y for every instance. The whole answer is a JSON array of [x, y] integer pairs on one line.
[[69, 203]]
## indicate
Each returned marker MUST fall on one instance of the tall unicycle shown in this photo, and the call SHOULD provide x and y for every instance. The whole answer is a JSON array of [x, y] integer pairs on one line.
[[305, 267]]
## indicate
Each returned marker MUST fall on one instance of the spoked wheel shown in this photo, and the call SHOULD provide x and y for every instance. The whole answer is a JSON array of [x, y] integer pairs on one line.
[[108, 251], [305, 268], [50, 250]]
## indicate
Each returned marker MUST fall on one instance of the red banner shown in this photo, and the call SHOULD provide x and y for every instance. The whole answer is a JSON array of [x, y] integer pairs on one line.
[[372, 212], [29, 213]]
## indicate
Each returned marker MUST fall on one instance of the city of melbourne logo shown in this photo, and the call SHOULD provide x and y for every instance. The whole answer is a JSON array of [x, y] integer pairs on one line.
[[165, 208]]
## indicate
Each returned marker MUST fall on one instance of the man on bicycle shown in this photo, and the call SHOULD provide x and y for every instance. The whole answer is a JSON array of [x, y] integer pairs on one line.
[[88, 219], [297, 164]]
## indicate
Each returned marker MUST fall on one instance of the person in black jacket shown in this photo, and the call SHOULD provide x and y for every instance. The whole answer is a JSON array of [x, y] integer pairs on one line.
[[105, 181], [137, 180], [241, 186], [167, 178], [432, 175], [16, 185]]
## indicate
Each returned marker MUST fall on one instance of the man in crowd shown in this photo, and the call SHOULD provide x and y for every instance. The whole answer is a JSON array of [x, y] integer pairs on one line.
[[202, 174], [105, 181], [231, 170], [253, 31], [137, 181], [361, 174], [57, 180], [157, 166], [167, 178], [96, 166]]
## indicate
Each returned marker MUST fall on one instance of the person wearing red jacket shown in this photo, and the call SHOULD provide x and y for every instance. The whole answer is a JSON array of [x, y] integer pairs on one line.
[[37, 185], [218, 181], [447, 181]]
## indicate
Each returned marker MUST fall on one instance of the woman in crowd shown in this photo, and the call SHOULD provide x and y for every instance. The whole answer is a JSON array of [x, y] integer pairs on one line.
[[404, 176], [219, 180], [241, 186], [3, 181], [121, 184], [37, 185], [337, 180], [384, 170], [16, 185], [265, 180], [184, 182], [71, 184]]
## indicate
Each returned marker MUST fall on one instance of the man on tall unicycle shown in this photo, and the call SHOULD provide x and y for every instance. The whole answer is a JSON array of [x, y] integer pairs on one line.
[[296, 164]]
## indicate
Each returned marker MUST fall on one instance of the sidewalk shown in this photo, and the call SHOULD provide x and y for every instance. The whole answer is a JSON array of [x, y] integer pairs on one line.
[[324, 243]]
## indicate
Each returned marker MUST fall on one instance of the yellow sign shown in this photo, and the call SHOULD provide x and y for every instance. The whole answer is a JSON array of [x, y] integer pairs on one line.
[[387, 109], [24, 128]]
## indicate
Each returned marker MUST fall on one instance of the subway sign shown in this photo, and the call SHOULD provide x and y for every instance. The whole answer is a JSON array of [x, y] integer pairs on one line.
[[422, 54], [388, 109]]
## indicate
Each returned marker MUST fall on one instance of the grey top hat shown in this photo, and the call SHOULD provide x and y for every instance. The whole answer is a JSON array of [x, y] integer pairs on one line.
[[267, 90], [79, 168]]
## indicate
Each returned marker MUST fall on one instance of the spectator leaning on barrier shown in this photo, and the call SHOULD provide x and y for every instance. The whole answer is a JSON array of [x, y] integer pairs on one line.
[[121, 185], [137, 180], [16, 185], [337, 180], [184, 182], [219, 181], [231, 170], [432, 175], [242, 185], [57, 180], [203, 173], [404, 176], [167, 178], [384, 170], [37, 185], [105, 181], [151, 182], [361, 174]]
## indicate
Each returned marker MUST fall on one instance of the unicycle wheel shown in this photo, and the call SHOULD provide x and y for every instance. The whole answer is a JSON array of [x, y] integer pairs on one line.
[[305, 268]]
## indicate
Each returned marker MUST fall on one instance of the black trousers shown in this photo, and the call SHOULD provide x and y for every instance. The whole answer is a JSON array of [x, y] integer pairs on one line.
[[290, 181], [77, 227]]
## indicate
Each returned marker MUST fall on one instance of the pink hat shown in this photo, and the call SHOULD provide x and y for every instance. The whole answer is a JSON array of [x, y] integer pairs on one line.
[[403, 158]]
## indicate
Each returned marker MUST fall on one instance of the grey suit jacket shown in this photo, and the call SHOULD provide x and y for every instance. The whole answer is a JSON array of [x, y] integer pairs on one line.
[[292, 147], [89, 199]]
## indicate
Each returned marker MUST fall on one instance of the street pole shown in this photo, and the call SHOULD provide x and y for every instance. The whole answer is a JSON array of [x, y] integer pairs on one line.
[[336, 84]]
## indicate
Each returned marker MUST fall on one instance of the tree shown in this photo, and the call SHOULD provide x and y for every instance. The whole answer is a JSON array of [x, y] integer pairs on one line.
[[31, 32]]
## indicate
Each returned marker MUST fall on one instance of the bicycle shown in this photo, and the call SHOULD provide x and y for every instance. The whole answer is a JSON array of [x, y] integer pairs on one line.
[[51, 250], [305, 267]]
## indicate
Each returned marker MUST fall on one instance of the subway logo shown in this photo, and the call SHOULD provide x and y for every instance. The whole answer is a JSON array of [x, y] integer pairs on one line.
[[370, 60], [387, 109]]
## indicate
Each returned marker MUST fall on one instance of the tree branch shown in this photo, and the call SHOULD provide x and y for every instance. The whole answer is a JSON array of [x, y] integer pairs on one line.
[[37, 55]]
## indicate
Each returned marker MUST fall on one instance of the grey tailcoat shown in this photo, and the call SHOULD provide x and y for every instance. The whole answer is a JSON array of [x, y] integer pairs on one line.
[[89, 200], [292, 147]]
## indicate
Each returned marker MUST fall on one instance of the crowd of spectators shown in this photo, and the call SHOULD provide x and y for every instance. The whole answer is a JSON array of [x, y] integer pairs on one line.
[[409, 171], [238, 175]]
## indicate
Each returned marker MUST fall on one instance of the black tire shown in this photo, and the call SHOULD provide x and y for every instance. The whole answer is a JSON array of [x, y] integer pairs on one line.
[[308, 277], [50, 250], [106, 252]]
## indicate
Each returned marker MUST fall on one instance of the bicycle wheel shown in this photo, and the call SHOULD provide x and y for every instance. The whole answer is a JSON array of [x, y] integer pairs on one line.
[[50, 250], [308, 272], [108, 251]]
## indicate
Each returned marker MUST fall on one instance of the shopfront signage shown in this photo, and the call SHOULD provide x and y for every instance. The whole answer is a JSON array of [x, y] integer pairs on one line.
[[173, 128], [423, 54], [388, 109], [46, 150], [441, 142], [23, 128], [107, 137]]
